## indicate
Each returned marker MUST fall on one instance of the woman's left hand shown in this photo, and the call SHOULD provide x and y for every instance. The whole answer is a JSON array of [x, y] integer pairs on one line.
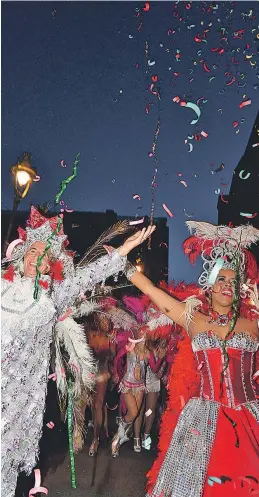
[[136, 240]]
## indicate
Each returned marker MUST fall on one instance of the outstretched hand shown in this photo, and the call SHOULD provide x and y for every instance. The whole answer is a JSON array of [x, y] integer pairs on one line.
[[136, 240]]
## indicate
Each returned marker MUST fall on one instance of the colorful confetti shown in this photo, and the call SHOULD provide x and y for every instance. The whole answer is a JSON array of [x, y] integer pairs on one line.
[[139, 221], [245, 103], [65, 182], [170, 214], [50, 425], [248, 215]]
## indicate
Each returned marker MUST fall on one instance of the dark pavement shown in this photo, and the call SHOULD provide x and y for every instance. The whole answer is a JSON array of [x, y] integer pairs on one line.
[[103, 475]]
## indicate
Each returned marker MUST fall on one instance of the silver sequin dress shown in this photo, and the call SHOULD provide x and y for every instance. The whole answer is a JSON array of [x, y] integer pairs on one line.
[[206, 424], [27, 327], [131, 381], [152, 381]]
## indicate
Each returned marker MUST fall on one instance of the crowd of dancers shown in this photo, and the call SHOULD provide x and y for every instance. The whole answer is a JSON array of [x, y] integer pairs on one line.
[[132, 359]]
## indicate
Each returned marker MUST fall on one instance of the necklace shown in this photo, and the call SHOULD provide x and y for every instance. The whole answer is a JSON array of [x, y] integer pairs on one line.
[[220, 319]]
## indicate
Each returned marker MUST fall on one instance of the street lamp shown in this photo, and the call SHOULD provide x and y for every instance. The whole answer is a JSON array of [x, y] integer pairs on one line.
[[24, 175], [139, 265]]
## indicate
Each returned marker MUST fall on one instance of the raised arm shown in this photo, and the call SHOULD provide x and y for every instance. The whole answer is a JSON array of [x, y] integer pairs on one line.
[[87, 278], [174, 309], [98, 271], [171, 307]]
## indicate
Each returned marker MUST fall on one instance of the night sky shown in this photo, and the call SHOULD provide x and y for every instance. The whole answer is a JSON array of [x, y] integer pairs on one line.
[[75, 78]]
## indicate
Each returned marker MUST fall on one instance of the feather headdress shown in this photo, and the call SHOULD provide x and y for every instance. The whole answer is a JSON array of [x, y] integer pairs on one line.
[[220, 247]]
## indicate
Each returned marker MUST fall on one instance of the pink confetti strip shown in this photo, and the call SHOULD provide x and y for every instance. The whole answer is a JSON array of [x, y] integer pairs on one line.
[[136, 197], [50, 425], [52, 376], [206, 68], [148, 412], [245, 103], [73, 366], [66, 315], [223, 200], [170, 214], [62, 163], [183, 183], [36, 179], [37, 488], [139, 221], [204, 134], [182, 401], [195, 432]]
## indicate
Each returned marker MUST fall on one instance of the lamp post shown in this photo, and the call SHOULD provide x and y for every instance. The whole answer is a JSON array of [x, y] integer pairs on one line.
[[24, 174]]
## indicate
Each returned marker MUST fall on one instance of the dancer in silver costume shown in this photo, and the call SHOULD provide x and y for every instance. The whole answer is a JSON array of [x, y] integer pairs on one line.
[[132, 388], [27, 327]]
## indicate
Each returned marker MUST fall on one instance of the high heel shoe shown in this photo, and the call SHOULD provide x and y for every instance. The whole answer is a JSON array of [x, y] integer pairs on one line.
[[146, 442], [115, 446], [93, 448], [137, 446], [120, 437]]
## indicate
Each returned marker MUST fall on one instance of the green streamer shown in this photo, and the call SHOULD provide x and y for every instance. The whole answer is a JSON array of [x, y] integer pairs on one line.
[[65, 182], [39, 261], [70, 434], [63, 186]]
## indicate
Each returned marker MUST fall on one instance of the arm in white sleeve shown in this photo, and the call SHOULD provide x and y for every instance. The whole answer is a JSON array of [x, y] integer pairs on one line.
[[85, 279]]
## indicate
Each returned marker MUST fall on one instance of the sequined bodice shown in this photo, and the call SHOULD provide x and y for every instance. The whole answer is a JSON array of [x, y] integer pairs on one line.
[[239, 386], [135, 365]]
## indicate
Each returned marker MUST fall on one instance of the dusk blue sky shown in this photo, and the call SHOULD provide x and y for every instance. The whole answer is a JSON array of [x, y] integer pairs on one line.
[[75, 79]]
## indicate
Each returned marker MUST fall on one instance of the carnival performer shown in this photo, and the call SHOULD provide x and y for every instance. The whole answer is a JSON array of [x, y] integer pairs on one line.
[[160, 356], [130, 366], [99, 335], [214, 448], [39, 289], [131, 387]]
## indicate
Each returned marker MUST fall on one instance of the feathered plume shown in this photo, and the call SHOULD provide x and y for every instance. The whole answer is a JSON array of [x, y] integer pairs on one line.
[[80, 361], [244, 235], [96, 250], [135, 305]]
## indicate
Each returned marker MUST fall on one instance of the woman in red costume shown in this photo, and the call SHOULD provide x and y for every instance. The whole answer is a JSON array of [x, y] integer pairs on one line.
[[213, 447]]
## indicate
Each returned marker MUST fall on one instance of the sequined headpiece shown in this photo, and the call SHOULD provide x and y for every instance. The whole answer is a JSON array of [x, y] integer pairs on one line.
[[221, 247], [40, 228]]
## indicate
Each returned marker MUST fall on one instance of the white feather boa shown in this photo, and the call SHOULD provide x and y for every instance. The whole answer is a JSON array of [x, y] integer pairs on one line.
[[81, 362]]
